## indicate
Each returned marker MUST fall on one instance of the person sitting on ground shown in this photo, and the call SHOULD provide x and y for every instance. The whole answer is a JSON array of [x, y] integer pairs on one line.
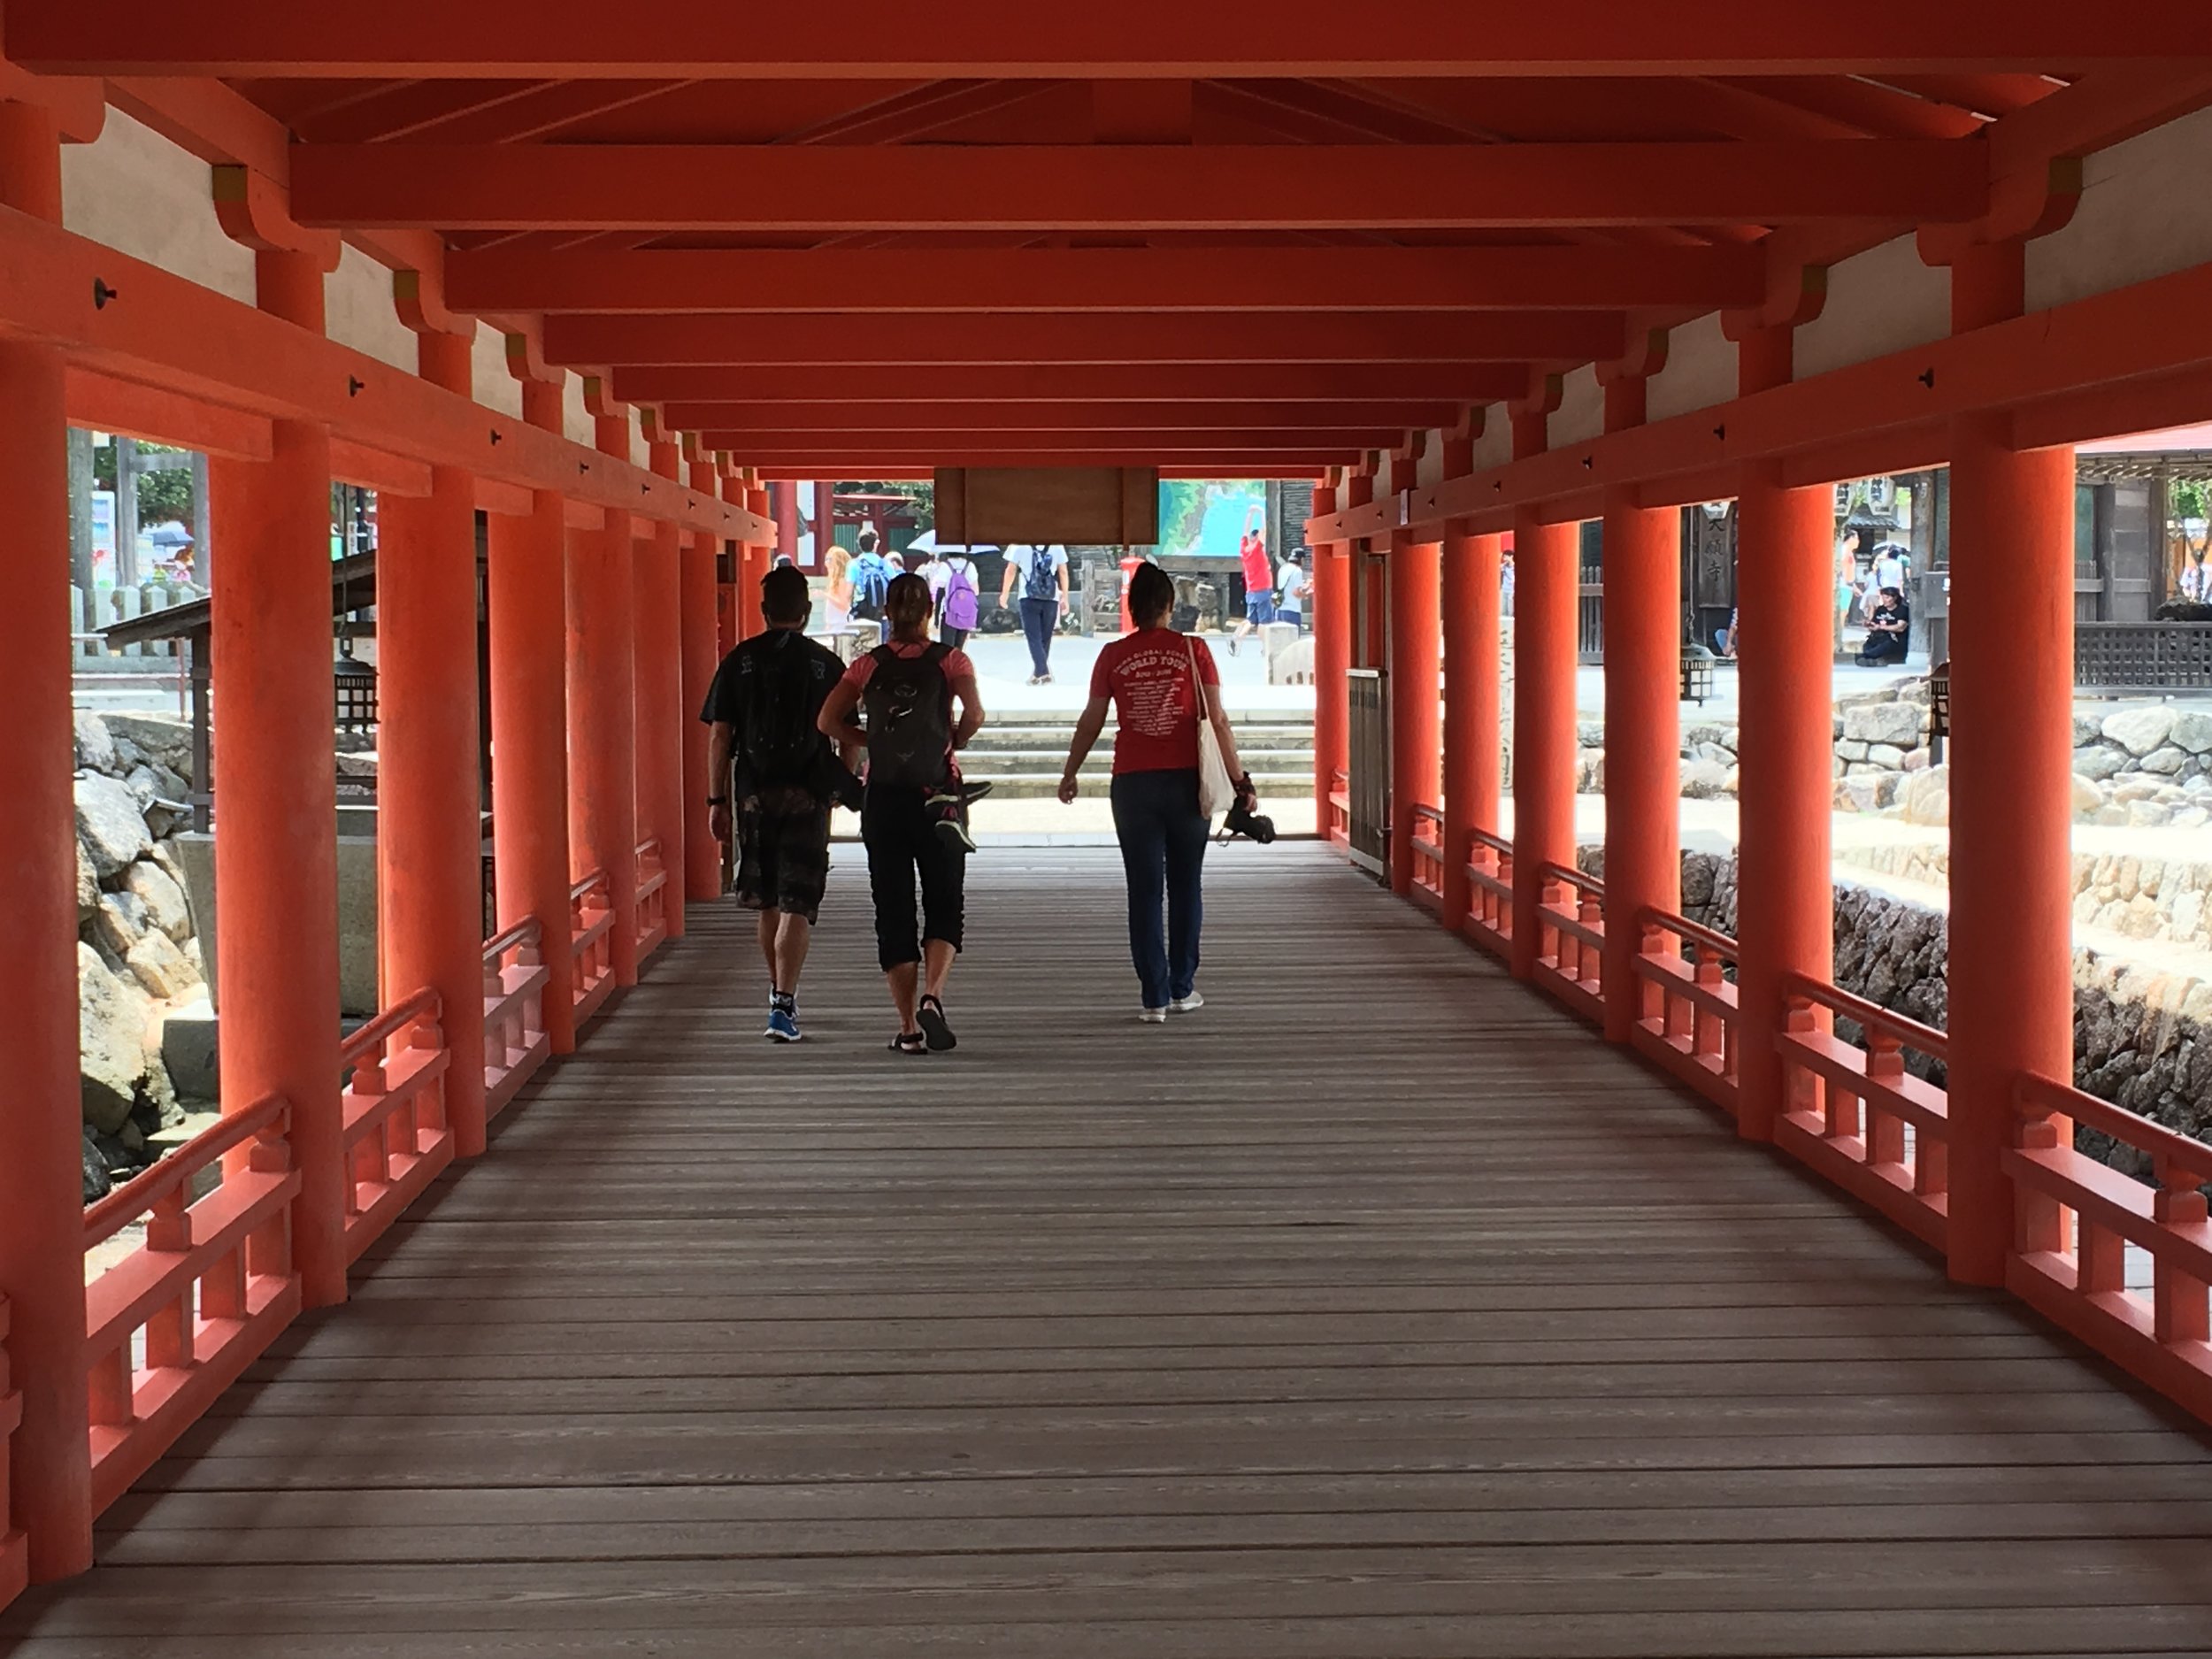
[[768, 756], [1887, 630], [1160, 684], [906, 691]]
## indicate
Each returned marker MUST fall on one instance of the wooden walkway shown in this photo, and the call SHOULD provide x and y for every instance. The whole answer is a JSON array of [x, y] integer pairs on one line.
[[1378, 1311]]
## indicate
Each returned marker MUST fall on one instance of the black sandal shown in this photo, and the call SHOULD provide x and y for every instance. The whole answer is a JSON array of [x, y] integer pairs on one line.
[[935, 1030], [909, 1042]]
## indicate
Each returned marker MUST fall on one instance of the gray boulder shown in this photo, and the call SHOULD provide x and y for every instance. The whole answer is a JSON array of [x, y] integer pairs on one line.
[[2166, 762], [110, 824], [96, 749], [157, 737], [2101, 761], [1704, 779], [2140, 730], [110, 1042], [2192, 730], [163, 899], [88, 886], [1899, 724], [118, 922]]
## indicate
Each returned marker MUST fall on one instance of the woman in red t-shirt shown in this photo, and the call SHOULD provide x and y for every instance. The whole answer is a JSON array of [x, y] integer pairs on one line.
[[1152, 679]]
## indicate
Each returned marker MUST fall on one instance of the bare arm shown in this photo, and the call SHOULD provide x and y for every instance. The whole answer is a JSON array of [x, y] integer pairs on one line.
[[1088, 727], [836, 719], [1063, 586], [721, 746], [1006, 586], [971, 720]]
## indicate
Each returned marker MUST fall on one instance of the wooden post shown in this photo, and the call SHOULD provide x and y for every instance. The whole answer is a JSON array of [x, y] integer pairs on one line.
[[659, 713], [1785, 896], [702, 854], [42, 1226], [1331, 622], [276, 834], [1416, 753], [1472, 707], [1547, 569], [603, 799], [2011, 760], [528, 561]]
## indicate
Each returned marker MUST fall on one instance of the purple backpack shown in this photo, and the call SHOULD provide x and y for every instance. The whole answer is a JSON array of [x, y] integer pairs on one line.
[[960, 599]]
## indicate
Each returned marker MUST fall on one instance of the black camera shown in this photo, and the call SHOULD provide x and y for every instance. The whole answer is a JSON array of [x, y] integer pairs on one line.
[[1242, 820]]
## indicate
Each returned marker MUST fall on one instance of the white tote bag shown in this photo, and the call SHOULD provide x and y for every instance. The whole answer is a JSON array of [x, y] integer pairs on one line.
[[1217, 792]]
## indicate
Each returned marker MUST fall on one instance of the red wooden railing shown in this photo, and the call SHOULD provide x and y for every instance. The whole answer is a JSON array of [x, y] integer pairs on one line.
[[210, 1286], [2074, 1218], [1856, 1115], [1428, 856], [395, 1138], [591, 942], [15, 1569], [652, 899], [1687, 1014], [1571, 940], [515, 1041], [1490, 892], [1340, 824]]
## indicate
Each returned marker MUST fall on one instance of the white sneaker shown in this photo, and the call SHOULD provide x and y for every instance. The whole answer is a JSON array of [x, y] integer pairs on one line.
[[1152, 1017], [1189, 1004]]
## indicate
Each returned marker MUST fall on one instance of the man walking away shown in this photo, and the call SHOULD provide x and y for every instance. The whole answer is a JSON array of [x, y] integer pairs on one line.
[[1044, 572], [871, 575], [768, 755]]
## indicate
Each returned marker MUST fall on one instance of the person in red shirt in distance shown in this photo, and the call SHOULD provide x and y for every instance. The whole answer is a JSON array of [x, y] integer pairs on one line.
[[1152, 679], [1259, 588]]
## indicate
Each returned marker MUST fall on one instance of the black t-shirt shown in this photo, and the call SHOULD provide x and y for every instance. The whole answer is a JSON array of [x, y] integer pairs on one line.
[[725, 698]]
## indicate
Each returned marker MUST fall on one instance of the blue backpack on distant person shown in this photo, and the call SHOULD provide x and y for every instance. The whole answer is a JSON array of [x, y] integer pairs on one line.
[[1043, 580], [871, 580]]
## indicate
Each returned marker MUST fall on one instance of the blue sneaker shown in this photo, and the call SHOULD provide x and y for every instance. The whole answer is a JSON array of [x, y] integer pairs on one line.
[[783, 1024]]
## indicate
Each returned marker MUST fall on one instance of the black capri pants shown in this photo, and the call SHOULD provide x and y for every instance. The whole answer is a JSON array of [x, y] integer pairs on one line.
[[901, 840]]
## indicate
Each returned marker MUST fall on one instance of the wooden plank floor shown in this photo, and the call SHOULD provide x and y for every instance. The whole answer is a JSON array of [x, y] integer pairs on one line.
[[1375, 1312]]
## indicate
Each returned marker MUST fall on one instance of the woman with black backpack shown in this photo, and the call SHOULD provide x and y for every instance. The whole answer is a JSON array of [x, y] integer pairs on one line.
[[898, 704]]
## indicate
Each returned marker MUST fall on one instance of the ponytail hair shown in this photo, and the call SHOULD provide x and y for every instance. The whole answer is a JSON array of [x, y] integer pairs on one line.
[[907, 606]]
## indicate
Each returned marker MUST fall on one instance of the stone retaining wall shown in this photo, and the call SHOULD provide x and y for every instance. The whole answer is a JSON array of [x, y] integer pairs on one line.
[[138, 955], [2161, 900]]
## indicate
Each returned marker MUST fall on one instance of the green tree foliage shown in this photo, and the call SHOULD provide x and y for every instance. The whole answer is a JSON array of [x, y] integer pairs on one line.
[[161, 496]]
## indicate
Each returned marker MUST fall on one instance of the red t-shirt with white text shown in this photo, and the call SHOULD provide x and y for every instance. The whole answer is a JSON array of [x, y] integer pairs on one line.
[[1148, 676]]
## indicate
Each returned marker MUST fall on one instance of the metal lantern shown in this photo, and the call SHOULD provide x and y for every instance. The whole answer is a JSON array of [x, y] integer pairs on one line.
[[1697, 674], [354, 682]]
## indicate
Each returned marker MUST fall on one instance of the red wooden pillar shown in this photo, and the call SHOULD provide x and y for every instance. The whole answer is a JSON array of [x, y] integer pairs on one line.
[[1643, 722], [702, 854], [755, 565], [1331, 622], [1473, 705], [528, 578], [1416, 752], [602, 798], [429, 828], [660, 693], [1546, 580], [42, 1224], [276, 814], [2011, 759], [1785, 676]]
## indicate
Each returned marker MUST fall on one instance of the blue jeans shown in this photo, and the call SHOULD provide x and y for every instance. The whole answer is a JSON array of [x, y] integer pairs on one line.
[[1039, 617], [1164, 854]]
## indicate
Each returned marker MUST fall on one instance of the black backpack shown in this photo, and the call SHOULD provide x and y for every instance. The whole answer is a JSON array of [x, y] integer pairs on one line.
[[907, 705], [783, 686]]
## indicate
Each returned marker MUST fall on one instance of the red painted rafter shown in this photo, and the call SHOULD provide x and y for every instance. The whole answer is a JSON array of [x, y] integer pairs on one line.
[[1129, 187], [1100, 383], [1105, 279], [920, 110], [1257, 39], [1106, 338], [925, 413]]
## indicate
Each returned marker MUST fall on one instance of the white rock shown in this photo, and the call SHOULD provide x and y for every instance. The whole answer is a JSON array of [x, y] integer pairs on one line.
[[2139, 730], [2166, 762], [2192, 731], [2192, 816], [2087, 796], [163, 897], [1899, 724], [160, 967], [1927, 796], [110, 1042], [96, 748], [109, 823], [1703, 780], [2149, 814], [120, 922], [1887, 756], [1851, 748], [2101, 761], [87, 885]]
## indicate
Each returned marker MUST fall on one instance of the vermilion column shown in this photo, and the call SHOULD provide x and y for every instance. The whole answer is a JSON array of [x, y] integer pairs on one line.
[[1473, 705], [1643, 721], [702, 854], [1416, 752], [276, 810], [752, 568], [602, 780], [1547, 579], [1331, 623], [2011, 758], [1785, 677], [42, 1224], [660, 693], [429, 828], [529, 579]]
